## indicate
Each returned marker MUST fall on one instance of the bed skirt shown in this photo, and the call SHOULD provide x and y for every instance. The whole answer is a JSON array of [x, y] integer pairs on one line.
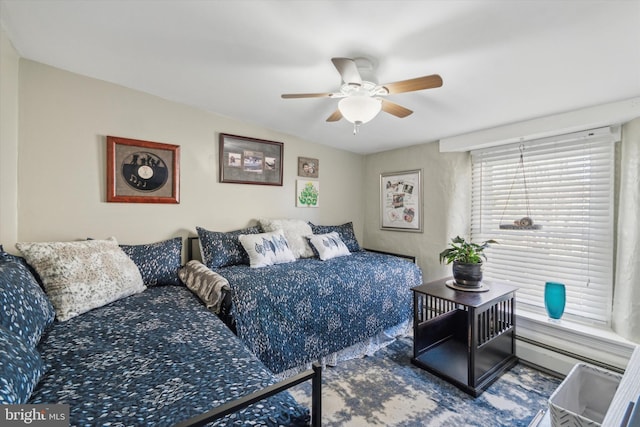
[[356, 351]]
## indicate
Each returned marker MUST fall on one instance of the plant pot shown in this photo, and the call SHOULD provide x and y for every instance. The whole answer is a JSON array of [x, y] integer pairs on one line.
[[467, 275]]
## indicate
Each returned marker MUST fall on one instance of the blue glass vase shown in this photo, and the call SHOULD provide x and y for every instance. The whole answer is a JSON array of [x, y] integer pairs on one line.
[[555, 296]]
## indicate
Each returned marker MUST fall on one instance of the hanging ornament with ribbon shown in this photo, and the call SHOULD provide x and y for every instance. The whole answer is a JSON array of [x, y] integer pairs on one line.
[[526, 222]]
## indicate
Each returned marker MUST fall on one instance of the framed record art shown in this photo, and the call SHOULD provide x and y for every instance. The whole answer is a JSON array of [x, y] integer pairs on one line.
[[142, 171]]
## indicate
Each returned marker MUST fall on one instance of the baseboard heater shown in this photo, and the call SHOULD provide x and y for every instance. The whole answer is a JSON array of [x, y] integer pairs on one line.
[[565, 353]]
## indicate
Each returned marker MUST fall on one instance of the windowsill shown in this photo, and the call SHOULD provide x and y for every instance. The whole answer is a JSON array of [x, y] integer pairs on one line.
[[568, 325], [590, 343]]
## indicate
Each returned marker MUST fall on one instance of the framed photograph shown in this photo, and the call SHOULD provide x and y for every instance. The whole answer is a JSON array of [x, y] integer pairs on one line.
[[401, 201], [250, 161], [308, 168], [307, 193], [142, 171]]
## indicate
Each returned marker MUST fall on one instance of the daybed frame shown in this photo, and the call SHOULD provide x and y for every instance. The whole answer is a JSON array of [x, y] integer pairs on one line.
[[314, 374]]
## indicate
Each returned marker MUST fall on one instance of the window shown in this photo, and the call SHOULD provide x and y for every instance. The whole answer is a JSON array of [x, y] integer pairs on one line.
[[566, 186]]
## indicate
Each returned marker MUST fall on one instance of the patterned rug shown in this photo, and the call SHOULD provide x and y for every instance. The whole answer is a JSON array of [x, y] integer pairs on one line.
[[387, 390]]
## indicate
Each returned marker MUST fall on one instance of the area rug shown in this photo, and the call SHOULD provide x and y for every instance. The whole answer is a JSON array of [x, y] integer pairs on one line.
[[387, 390]]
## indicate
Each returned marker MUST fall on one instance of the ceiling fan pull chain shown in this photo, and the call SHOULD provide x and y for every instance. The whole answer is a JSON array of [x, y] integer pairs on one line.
[[356, 127]]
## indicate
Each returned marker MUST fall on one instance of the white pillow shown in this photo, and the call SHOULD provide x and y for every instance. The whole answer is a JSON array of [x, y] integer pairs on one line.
[[79, 276], [295, 230], [328, 245], [266, 248]]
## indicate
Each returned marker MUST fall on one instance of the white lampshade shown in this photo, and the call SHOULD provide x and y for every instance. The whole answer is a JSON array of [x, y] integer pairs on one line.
[[359, 109]]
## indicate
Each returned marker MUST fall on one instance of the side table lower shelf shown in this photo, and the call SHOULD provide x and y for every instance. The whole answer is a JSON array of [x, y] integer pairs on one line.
[[448, 357], [449, 361], [465, 338]]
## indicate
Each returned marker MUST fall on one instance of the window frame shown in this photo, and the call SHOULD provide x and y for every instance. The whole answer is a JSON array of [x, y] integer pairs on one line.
[[547, 149]]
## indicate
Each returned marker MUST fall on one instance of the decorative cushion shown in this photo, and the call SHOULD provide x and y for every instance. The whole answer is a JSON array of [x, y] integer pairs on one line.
[[328, 245], [4, 256], [26, 310], [79, 276], [222, 249], [345, 231], [295, 230], [158, 262], [267, 248], [20, 369], [208, 285]]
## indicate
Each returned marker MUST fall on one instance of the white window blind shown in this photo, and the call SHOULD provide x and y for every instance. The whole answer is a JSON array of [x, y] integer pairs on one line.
[[567, 188]]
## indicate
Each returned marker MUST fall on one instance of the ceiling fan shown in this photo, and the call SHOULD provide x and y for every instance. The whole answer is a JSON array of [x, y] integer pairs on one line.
[[361, 99]]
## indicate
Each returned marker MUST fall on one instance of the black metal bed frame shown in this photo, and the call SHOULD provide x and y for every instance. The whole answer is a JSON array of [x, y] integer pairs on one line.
[[407, 257], [314, 374], [190, 241]]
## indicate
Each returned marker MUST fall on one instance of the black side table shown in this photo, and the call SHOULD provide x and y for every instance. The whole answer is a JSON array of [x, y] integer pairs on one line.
[[466, 338]]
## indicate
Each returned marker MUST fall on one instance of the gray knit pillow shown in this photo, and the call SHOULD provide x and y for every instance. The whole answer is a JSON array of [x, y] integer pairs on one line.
[[82, 275], [208, 285]]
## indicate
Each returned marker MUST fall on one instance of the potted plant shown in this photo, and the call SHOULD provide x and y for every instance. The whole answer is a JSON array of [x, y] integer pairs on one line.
[[467, 261]]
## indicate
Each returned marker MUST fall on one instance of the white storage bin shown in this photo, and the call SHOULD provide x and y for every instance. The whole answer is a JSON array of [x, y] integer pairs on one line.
[[582, 399]]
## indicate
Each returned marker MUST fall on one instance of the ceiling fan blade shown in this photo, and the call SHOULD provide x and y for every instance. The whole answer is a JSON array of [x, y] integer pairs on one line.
[[419, 83], [306, 95], [335, 116], [348, 70], [395, 109]]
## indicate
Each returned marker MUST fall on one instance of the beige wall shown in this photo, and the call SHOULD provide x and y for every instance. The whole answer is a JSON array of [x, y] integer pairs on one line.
[[61, 169], [64, 119], [9, 60], [446, 204]]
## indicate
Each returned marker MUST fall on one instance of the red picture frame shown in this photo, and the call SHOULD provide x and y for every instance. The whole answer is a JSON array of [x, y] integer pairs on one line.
[[142, 171]]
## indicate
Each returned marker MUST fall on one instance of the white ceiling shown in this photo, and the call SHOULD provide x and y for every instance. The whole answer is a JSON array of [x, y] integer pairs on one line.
[[501, 61]]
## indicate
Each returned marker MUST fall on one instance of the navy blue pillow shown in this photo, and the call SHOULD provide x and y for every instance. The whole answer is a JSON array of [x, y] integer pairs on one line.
[[222, 249], [4, 256], [26, 310], [20, 369], [158, 262], [345, 231]]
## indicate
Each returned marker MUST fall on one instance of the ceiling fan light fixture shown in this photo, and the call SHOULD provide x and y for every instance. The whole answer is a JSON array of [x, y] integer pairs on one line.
[[359, 109], [360, 101]]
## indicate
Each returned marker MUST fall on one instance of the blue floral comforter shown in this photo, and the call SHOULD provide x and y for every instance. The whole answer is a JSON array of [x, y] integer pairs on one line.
[[155, 359], [292, 314]]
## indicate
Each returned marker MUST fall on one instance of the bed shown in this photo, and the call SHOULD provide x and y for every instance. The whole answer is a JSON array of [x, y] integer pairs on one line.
[[291, 314], [154, 357]]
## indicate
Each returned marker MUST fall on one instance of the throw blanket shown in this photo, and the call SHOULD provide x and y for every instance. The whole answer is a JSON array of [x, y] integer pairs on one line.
[[292, 314]]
